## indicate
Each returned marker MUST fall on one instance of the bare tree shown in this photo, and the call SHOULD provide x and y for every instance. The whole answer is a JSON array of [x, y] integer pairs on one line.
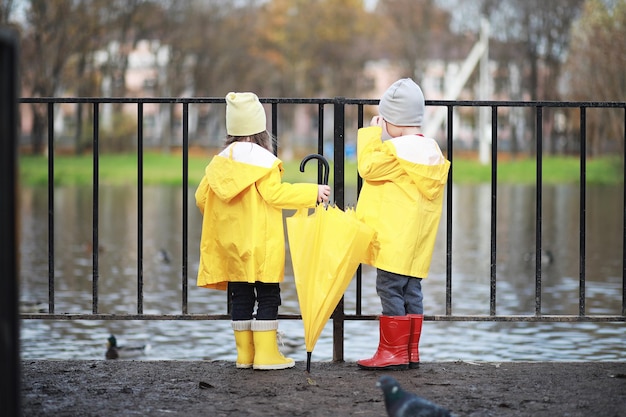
[[216, 47], [59, 42], [410, 30], [315, 47], [46, 48], [6, 7], [541, 29], [595, 72]]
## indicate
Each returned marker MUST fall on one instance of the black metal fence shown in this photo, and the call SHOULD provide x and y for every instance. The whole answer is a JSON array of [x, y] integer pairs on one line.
[[341, 108]]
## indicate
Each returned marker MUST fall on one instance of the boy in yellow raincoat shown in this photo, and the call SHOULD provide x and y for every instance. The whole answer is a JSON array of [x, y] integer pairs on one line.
[[242, 248], [404, 177]]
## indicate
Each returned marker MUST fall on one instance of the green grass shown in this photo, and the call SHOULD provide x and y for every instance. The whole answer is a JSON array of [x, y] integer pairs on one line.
[[555, 170], [113, 169], [167, 170]]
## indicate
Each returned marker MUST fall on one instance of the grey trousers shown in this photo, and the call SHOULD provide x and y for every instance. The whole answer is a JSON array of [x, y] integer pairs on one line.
[[399, 294]]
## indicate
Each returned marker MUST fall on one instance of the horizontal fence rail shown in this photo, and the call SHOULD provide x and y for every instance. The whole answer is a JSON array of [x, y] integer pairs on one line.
[[340, 107]]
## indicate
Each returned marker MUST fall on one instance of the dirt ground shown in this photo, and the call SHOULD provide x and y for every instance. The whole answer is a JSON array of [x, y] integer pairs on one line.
[[181, 388]]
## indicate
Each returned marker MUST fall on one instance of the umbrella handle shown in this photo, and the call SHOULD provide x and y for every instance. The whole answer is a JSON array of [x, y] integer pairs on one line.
[[320, 158]]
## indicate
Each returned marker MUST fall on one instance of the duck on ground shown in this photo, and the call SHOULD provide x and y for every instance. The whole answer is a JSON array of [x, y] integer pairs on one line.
[[122, 352]]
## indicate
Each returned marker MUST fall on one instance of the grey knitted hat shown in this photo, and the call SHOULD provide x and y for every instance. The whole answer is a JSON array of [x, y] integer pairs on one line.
[[403, 104]]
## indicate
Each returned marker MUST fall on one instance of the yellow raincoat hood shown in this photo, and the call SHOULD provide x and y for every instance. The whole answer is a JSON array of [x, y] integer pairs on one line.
[[230, 172], [401, 199], [241, 197]]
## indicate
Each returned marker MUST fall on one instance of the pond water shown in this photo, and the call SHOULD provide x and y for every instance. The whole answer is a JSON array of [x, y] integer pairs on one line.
[[441, 341]]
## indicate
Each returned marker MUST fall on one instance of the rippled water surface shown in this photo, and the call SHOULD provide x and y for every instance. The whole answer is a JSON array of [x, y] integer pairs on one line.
[[441, 341]]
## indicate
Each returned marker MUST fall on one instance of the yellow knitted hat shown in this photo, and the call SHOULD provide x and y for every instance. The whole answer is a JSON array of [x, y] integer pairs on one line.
[[245, 115]]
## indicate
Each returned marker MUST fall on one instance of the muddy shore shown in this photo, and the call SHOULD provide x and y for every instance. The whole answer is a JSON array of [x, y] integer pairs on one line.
[[186, 388]]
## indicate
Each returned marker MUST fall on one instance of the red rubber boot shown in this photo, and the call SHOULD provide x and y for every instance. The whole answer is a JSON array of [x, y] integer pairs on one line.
[[392, 350], [414, 340]]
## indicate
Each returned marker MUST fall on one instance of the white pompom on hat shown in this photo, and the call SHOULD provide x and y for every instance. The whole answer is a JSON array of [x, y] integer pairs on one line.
[[245, 114], [403, 103]]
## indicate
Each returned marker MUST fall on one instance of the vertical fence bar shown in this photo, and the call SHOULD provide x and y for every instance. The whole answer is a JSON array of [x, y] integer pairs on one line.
[[140, 208], [624, 226], [320, 135], [583, 210], [275, 127], [359, 185], [51, 251], [338, 187], [320, 140], [96, 193], [494, 205], [185, 204], [449, 214], [339, 147], [538, 208]]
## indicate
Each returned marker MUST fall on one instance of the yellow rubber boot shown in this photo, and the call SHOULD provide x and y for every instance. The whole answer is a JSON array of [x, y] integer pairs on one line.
[[266, 353], [244, 342]]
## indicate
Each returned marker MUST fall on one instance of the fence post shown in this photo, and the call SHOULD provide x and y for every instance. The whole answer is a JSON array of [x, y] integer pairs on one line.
[[9, 337], [338, 191]]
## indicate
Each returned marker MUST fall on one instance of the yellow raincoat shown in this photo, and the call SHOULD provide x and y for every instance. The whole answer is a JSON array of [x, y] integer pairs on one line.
[[241, 197], [401, 199]]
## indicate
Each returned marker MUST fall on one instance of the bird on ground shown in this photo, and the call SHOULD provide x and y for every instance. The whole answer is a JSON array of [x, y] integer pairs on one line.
[[401, 403], [122, 352]]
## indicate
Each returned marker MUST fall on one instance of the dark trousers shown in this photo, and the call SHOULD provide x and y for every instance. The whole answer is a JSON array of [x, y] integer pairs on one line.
[[244, 296]]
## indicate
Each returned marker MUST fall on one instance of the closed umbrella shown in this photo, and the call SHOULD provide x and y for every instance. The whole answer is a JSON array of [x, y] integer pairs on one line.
[[326, 249]]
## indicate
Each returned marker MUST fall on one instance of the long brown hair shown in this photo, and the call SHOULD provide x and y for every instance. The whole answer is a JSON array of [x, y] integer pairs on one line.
[[263, 139]]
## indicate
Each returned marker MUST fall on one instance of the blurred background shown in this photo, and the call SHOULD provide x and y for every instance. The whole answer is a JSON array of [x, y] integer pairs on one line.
[[537, 50]]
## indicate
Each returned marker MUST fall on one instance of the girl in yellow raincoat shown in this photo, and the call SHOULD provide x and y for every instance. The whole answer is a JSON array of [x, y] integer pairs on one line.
[[402, 196], [242, 248]]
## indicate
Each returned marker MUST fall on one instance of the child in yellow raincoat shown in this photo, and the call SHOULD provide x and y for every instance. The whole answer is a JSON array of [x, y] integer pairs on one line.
[[404, 177], [242, 248]]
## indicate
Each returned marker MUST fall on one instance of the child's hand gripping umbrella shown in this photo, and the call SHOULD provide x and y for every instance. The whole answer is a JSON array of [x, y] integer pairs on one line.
[[326, 249]]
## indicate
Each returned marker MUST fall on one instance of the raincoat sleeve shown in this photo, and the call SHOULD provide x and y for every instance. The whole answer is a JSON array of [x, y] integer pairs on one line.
[[375, 161], [285, 195], [201, 194]]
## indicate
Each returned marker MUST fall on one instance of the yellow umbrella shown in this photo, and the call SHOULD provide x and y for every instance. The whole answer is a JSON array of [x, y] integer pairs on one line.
[[326, 249]]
